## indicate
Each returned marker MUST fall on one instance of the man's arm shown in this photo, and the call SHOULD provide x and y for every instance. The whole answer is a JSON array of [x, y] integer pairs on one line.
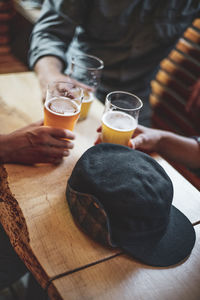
[[51, 37], [49, 69], [170, 145], [51, 34], [35, 144]]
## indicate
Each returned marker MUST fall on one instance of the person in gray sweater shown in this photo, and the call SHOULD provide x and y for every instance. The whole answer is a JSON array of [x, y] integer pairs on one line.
[[131, 37]]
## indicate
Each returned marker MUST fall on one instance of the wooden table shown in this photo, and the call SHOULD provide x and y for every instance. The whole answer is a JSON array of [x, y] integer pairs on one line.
[[35, 214]]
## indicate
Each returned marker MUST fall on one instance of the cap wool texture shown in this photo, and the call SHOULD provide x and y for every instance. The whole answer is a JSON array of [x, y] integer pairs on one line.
[[123, 198]]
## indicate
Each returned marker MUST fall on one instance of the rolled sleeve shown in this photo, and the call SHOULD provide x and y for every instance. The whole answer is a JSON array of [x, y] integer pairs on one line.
[[54, 30], [46, 46]]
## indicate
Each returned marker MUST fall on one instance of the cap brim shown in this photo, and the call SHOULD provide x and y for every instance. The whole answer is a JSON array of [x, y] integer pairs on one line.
[[173, 247]]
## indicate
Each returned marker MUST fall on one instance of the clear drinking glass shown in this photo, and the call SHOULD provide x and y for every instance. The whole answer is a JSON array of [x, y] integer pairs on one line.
[[87, 70], [120, 117], [62, 105]]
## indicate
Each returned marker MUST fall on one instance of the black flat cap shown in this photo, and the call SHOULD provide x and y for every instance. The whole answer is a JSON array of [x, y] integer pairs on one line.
[[123, 198]]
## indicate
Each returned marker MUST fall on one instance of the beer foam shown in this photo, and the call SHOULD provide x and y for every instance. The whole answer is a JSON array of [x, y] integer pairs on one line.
[[62, 106], [120, 121]]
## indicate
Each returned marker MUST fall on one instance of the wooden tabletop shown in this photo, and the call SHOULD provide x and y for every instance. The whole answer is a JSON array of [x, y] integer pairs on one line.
[[35, 214], [124, 278]]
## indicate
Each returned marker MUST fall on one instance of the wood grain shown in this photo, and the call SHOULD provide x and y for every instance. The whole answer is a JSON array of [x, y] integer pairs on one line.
[[34, 210], [125, 278], [40, 191]]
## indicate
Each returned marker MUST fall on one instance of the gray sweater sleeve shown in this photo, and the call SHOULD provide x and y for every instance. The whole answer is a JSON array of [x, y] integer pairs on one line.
[[55, 29]]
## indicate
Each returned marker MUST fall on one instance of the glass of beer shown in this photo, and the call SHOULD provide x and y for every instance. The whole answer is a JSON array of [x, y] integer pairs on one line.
[[63, 105], [87, 70], [120, 117]]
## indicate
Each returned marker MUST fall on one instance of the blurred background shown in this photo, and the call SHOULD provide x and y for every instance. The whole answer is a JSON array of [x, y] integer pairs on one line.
[[17, 18]]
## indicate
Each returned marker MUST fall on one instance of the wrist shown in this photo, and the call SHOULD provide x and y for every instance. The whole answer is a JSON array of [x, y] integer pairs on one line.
[[163, 139], [49, 65]]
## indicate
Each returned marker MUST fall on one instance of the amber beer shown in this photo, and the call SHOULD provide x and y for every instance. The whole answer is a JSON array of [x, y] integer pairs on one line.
[[117, 127], [61, 112], [88, 98]]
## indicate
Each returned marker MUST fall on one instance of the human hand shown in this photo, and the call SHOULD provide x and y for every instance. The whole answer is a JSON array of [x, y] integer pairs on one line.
[[146, 139], [50, 78], [50, 69], [193, 104], [36, 144], [60, 77]]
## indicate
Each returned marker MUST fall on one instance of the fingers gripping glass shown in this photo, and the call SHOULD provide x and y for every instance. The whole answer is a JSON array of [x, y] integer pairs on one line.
[[120, 117], [62, 105]]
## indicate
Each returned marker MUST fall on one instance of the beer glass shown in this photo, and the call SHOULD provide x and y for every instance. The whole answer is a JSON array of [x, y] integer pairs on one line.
[[63, 105], [120, 117], [87, 70]]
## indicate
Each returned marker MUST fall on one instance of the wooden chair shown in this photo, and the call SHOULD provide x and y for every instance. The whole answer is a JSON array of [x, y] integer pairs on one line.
[[8, 61], [171, 89], [6, 15]]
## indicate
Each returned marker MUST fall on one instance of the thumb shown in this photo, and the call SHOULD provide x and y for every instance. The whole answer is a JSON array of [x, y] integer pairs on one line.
[[131, 144], [138, 141]]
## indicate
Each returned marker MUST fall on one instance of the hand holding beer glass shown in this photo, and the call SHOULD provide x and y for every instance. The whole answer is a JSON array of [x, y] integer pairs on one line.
[[86, 69], [63, 105], [120, 117]]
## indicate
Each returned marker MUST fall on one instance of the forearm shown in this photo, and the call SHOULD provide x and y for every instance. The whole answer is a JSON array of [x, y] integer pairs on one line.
[[54, 30], [49, 69], [180, 149], [48, 65]]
